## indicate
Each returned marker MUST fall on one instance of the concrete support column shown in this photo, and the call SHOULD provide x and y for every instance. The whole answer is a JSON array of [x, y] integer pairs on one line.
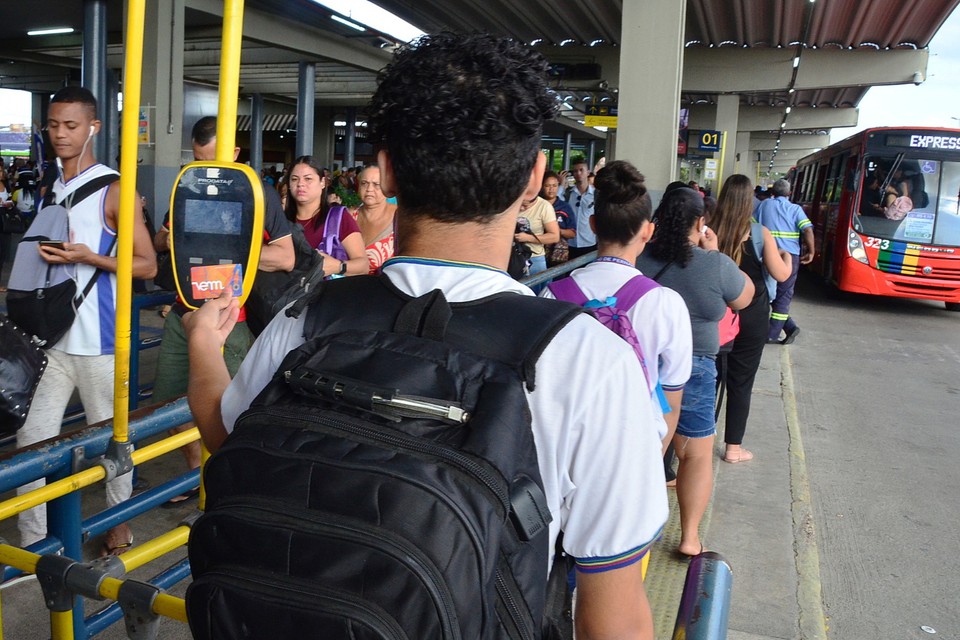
[[649, 98], [94, 68], [551, 156], [162, 102], [306, 97], [350, 138], [567, 143], [591, 154], [256, 132], [111, 121], [745, 164], [728, 110], [324, 141]]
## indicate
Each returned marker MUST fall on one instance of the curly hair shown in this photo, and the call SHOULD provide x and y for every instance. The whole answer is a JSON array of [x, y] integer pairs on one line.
[[461, 117], [619, 208], [731, 220], [675, 215]]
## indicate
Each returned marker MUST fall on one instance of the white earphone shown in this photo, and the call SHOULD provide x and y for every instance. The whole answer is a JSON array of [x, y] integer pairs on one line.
[[92, 127]]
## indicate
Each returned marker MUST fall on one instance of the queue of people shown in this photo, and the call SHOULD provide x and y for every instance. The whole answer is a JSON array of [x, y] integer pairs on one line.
[[459, 208]]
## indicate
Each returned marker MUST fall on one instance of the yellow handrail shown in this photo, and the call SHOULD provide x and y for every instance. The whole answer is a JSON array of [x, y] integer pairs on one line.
[[229, 79], [132, 69]]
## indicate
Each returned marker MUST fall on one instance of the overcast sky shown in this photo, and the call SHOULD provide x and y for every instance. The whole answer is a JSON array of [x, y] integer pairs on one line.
[[930, 104]]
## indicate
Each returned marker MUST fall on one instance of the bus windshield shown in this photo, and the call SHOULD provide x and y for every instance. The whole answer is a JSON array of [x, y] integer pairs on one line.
[[910, 199]]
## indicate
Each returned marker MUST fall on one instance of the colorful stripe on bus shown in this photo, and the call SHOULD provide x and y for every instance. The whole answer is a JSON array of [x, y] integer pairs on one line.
[[899, 257]]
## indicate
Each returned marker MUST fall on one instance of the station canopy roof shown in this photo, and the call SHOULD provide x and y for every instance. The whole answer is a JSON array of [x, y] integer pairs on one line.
[[720, 35]]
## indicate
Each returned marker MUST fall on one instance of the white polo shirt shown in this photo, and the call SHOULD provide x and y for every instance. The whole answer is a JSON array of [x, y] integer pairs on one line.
[[598, 449]]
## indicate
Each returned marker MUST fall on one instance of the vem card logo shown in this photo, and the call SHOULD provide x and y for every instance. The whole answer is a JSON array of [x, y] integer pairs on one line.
[[211, 281]]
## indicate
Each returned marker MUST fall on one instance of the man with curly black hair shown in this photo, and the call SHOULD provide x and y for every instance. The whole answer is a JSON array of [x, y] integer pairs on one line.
[[460, 120]]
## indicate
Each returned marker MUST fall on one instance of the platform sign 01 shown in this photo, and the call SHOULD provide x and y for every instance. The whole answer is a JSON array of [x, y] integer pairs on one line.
[[709, 140]]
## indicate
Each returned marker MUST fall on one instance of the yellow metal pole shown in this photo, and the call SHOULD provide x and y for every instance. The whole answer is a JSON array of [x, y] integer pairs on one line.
[[723, 154], [61, 625], [229, 79], [132, 68]]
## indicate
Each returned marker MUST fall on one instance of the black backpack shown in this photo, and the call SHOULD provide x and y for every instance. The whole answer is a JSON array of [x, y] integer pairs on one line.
[[42, 297], [385, 483], [274, 290]]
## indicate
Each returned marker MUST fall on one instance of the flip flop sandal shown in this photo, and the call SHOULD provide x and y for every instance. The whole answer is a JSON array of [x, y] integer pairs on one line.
[[182, 499], [115, 550]]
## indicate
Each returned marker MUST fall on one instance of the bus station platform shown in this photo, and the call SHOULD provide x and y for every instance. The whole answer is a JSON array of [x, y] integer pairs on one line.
[[755, 521]]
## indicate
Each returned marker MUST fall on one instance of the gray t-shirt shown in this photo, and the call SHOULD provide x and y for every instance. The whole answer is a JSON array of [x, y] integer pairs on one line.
[[708, 282]]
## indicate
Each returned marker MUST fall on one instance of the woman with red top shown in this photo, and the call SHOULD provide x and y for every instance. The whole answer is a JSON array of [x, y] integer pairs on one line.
[[375, 217], [332, 231]]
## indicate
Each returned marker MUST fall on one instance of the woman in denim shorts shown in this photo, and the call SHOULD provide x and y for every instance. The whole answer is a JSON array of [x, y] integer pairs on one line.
[[683, 255]]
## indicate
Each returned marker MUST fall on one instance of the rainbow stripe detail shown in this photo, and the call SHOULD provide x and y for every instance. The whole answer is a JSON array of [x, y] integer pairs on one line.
[[609, 563], [900, 257]]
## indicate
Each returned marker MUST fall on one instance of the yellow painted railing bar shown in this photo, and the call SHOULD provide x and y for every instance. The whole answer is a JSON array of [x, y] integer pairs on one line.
[[54, 490], [132, 69], [137, 556], [165, 605], [61, 625], [171, 607], [164, 446], [204, 456], [229, 79], [25, 561], [90, 476], [723, 156]]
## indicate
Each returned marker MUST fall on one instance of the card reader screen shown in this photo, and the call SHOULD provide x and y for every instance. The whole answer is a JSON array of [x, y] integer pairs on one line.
[[213, 216]]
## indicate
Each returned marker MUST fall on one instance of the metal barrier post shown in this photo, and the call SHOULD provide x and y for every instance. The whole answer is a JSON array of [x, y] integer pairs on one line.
[[63, 521], [705, 603]]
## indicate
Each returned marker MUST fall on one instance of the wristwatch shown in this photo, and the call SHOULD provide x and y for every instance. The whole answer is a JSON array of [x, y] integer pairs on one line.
[[343, 268]]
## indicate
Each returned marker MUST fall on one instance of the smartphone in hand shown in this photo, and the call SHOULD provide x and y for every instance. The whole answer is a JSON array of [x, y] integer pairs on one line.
[[56, 244]]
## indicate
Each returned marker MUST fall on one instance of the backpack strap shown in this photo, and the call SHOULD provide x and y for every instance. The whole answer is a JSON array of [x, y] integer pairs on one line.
[[507, 327], [82, 192], [96, 274], [331, 227], [426, 316], [632, 290], [568, 289]]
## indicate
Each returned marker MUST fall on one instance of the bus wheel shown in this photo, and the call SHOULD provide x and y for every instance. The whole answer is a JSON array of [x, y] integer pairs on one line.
[[952, 306]]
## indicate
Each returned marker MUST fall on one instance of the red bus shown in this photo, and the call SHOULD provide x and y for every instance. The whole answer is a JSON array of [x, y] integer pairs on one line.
[[885, 207]]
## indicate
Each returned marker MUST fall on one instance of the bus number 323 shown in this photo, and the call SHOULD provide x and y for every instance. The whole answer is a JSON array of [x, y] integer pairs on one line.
[[878, 243]]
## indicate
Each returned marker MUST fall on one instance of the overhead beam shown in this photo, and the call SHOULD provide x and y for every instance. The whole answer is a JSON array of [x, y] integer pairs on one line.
[[265, 28], [288, 86], [769, 118], [727, 70], [788, 141]]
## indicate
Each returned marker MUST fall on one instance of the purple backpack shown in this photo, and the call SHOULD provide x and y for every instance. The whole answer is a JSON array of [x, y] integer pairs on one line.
[[612, 312], [331, 233]]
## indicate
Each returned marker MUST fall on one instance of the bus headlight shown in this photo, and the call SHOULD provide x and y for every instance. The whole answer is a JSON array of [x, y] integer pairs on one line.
[[855, 248]]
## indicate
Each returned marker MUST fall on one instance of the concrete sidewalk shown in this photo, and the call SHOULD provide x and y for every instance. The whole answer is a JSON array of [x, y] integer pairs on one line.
[[757, 520]]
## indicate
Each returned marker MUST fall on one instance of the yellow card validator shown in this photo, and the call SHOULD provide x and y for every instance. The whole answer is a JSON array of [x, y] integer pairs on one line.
[[212, 280]]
